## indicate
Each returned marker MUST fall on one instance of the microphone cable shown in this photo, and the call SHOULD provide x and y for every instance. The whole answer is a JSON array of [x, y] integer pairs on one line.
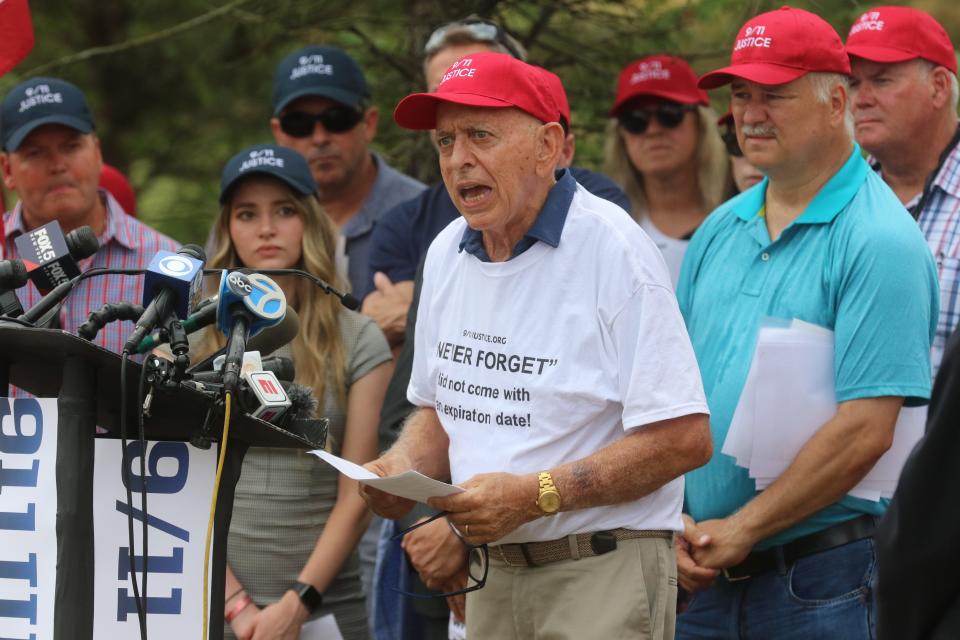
[[346, 299], [59, 293], [213, 509]]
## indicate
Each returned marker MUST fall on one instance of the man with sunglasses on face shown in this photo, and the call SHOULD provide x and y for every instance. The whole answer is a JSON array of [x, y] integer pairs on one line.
[[822, 240], [321, 107], [665, 151]]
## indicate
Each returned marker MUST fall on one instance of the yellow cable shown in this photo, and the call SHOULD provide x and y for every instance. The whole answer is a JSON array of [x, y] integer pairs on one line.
[[213, 510]]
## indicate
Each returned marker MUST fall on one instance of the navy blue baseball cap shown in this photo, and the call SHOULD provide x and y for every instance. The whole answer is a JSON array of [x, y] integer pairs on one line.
[[282, 163], [319, 71], [39, 101]]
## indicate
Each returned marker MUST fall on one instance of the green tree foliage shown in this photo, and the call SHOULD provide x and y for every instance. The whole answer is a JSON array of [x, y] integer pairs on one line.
[[178, 86]]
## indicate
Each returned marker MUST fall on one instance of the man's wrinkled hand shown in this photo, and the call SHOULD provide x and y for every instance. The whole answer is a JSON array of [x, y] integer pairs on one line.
[[691, 576], [435, 552], [729, 544], [381, 503], [491, 506]]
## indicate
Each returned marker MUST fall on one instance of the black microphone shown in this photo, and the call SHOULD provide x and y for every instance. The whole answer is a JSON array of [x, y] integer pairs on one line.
[[171, 285], [203, 316], [51, 257], [13, 274], [267, 341]]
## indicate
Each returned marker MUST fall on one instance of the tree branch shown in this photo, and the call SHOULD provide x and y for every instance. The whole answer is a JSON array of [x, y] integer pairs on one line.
[[96, 52]]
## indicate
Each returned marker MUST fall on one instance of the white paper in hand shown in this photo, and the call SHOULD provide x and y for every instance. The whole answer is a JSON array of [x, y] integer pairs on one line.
[[323, 628], [409, 484]]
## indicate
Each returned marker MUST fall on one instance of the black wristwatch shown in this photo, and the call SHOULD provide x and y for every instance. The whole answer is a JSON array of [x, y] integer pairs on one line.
[[308, 594]]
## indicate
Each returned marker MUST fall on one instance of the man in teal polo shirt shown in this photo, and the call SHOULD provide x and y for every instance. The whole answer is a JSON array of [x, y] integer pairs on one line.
[[825, 241]]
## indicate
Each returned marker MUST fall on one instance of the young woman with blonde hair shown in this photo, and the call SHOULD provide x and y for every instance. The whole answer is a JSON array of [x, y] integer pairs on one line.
[[296, 522]]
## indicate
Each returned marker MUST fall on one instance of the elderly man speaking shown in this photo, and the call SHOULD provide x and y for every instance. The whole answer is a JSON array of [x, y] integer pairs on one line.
[[555, 379]]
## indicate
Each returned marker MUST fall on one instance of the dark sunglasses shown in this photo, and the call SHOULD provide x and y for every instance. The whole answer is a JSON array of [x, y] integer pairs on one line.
[[730, 141], [478, 563], [669, 115], [336, 119]]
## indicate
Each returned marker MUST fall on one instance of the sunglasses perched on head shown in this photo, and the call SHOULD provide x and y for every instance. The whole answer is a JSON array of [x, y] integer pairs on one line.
[[335, 119], [730, 141], [480, 29], [668, 114]]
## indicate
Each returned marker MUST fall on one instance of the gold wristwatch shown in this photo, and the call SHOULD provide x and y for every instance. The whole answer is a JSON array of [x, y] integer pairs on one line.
[[549, 498]]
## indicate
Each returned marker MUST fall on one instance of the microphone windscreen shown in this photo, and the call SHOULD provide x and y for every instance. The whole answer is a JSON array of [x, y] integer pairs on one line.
[[82, 243], [303, 404], [194, 251], [272, 338], [13, 274], [350, 302]]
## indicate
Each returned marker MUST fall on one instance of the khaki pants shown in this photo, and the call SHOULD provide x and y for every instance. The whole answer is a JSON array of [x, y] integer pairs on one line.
[[628, 593]]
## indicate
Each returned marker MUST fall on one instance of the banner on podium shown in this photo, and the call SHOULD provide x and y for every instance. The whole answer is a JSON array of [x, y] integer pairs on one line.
[[28, 517], [179, 486]]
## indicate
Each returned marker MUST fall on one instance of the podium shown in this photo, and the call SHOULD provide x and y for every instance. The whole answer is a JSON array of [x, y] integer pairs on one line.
[[85, 379]]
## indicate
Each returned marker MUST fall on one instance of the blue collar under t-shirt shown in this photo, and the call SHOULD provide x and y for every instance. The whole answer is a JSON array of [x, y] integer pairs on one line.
[[547, 227]]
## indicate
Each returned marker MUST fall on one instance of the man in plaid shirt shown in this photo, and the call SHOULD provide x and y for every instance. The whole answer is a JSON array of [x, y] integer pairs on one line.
[[51, 158], [904, 103]]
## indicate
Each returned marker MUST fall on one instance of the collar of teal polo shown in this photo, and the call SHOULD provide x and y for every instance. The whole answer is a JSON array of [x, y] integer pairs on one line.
[[830, 200]]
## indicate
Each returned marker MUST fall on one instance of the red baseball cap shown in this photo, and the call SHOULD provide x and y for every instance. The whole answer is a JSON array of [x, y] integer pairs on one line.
[[119, 187], [898, 34], [555, 84], [661, 77], [778, 47], [485, 79]]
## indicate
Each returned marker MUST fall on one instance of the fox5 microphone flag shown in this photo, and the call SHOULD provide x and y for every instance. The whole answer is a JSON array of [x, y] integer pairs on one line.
[[16, 33]]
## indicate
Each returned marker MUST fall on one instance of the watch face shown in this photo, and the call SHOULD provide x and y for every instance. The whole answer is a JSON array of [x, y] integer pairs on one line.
[[549, 501]]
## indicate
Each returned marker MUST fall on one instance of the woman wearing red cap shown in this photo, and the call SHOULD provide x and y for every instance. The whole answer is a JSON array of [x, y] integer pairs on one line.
[[666, 152]]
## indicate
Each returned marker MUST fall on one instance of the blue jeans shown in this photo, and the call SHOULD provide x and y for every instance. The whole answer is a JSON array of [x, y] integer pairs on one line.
[[830, 594]]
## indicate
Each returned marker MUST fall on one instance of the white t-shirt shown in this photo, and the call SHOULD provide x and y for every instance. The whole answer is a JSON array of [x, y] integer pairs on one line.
[[672, 249], [553, 355]]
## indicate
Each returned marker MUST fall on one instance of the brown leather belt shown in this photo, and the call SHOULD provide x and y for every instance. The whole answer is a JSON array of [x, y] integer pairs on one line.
[[782, 557], [580, 545]]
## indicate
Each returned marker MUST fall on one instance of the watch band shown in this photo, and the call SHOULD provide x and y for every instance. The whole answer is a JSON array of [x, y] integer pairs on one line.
[[548, 499], [309, 596]]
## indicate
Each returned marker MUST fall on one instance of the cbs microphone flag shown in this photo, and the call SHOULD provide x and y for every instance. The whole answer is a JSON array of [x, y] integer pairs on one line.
[[16, 33]]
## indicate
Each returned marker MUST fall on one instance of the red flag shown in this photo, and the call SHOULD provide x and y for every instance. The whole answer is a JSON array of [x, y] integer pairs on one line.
[[16, 33]]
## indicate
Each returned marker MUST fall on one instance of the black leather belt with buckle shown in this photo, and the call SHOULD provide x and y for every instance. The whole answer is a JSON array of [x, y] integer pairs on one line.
[[782, 557]]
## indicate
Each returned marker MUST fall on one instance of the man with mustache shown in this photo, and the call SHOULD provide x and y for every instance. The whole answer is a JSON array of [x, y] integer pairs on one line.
[[904, 102], [823, 240], [321, 108], [51, 158], [553, 378]]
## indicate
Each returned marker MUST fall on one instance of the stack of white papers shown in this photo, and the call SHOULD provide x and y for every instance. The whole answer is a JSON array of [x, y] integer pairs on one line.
[[788, 395]]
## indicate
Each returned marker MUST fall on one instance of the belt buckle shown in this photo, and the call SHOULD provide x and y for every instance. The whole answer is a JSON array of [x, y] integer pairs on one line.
[[730, 578]]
